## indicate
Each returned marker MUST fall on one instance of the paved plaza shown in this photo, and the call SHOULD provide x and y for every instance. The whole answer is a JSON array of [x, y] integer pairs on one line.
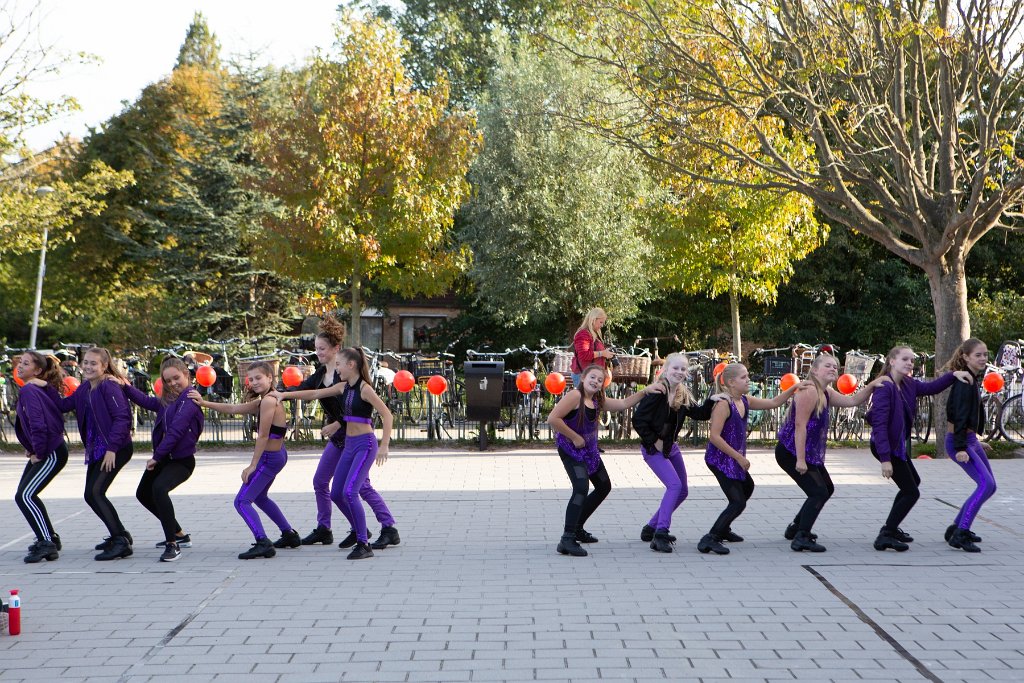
[[476, 592]]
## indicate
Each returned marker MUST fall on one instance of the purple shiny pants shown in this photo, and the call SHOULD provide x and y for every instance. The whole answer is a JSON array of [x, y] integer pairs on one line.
[[254, 493], [325, 470]]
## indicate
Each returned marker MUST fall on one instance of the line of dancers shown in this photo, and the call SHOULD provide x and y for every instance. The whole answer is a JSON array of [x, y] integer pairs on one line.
[[343, 387]]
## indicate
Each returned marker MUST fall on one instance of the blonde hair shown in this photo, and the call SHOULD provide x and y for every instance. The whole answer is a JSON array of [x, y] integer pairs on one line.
[[111, 368], [822, 395], [682, 396], [958, 361], [167, 393], [728, 373], [588, 322]]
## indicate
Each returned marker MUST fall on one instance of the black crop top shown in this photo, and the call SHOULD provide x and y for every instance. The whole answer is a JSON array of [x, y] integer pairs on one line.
[[276, 431], [353, 407]]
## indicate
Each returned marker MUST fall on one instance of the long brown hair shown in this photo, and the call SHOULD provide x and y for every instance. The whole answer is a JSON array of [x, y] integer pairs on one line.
[[111, 368], [167, 393], [49, 370], [359, 358], [959, 358]]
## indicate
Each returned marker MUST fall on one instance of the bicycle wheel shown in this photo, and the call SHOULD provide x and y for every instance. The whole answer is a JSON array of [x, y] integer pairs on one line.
[[991, 404], [1011, 420], [522, 420], [923, 419]]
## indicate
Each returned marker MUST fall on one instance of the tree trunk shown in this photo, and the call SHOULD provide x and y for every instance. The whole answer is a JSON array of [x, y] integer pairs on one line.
[[354, 331], [948, 283], [734, 306]]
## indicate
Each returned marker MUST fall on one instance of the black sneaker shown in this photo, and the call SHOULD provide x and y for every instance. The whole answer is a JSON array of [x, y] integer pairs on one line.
[[107, 542], [792, 530], [119, 547], [289, 539], [349, 540], [661, 543], [320, 534], [362, 551], [55, 539], [584, 536], [388, 536], [261, 548], [962, 539], [44, 550], [731, 537], [569, 546], [647, 534], [902, 536], [887, 539], [950, 530], [182, 541], [806, 541], [712, 544], [171, 553]]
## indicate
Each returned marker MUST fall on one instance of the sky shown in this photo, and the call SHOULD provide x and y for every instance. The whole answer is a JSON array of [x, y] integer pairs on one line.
[[137, 42]]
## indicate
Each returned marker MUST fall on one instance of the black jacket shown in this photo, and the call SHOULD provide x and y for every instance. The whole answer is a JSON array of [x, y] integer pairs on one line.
[[654, 419], [964, 411]]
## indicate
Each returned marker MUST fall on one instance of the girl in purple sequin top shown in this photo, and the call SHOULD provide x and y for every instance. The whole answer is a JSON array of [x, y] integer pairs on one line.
[[801, 449], [574, 419], [726, 454]]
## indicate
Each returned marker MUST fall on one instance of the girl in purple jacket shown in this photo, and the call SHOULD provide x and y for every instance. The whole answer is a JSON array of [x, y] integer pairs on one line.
[[893, 409], [40, 429], [179, 422], [104, 421]]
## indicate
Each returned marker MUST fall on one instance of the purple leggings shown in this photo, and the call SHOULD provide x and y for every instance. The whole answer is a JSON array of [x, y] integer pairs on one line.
[[672, 473], [353, 469], [978, 469], [254, 492], [325, 470]]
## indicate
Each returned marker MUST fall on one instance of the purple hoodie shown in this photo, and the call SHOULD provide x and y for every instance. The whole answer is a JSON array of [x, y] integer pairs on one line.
[[893, 411], [177, 427], [40, 425], [102, 413]]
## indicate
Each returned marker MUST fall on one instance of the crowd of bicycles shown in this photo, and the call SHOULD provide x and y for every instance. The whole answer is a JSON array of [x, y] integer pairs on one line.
[[427, 408]]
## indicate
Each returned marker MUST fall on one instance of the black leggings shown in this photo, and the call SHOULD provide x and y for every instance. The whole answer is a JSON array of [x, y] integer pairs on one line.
[[738, 491], [582, 505], [815, 482], [909, 483], [96, 484], [155, 488], [34, 479]]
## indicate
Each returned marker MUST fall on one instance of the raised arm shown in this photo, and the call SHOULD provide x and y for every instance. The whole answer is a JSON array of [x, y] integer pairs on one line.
[[942, 383], [250, 408], [855, 399], [144, 401], [617, 405]]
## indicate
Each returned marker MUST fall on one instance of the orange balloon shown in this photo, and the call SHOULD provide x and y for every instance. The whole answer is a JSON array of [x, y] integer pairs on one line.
[[206, 376], [846, 384], [993, 382], [607, 379], [555, 383], [525, 381], [437, 385], [719, 369], [70, 385], [788, 380], [292, 376], [158, 387], [404, 381], [17, 380]]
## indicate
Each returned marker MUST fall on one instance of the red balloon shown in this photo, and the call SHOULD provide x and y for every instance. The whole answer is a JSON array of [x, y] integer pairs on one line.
[[206, 375], [70, 385], [437, 385], [404, 381], [292, 376], [158, 387], [846, 384], [17, 380], [719, 369], [993, 382], [555, 383], [526, 382], [788, 380], [607, 379]]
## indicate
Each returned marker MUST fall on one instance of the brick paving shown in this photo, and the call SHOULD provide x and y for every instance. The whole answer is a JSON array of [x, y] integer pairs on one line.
[[475, 592]]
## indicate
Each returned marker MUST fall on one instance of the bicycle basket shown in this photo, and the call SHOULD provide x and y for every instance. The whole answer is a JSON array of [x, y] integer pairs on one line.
[[425, 368], [859, 366], [632, 369], [1008, 355], [777, 366]]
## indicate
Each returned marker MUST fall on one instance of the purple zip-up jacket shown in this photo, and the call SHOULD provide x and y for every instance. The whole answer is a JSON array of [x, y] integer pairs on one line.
[[177, 427], [893, 410], [107, 409], [40, 425]]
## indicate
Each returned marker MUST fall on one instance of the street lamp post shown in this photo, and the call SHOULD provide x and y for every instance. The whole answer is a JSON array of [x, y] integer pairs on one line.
[[41, 193]]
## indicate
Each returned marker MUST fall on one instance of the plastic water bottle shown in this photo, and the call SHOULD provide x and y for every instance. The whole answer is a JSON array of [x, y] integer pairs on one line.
[[14, 614]]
